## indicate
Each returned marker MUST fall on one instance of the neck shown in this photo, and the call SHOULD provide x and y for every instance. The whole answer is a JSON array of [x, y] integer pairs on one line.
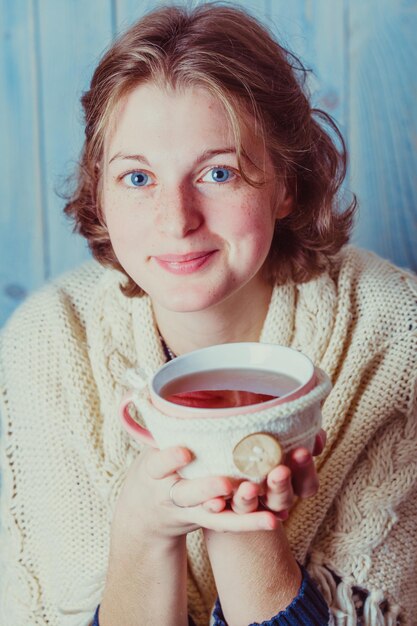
[[240, 318]]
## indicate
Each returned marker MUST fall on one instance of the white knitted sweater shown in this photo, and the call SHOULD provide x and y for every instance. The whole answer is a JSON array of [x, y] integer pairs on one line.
[[63, 358]]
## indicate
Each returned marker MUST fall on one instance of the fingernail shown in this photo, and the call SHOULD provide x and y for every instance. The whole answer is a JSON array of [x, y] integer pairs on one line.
[[303, 459], [184, 457], [280, 483]]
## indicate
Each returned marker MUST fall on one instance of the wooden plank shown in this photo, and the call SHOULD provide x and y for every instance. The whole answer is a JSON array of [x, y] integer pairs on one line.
[[287, 21], [21, 214], [326, 55], [72, 37], [383, 127], [128, 11], [315, 32]]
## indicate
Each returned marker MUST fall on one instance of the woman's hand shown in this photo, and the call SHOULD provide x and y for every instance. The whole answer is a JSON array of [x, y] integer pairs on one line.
[[267, 556], [145, 509], [298, 477]]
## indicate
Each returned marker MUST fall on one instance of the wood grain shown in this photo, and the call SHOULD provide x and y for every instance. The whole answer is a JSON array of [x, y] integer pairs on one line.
[[22, 215], [383, 126], [363, 58]]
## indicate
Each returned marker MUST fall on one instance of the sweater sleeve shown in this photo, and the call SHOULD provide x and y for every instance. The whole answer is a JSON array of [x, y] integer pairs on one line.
[[53, 520], [308, 607]]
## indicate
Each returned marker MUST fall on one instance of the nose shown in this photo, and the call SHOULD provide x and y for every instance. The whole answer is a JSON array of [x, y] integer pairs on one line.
[[178, 212]]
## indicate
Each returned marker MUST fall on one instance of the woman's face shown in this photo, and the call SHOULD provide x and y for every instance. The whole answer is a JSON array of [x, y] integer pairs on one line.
[[182, 222]]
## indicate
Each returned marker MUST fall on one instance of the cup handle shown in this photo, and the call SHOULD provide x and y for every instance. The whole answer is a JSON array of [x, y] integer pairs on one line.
[[133, 428]]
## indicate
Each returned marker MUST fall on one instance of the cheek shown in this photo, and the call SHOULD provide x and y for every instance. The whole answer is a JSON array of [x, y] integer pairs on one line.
[[122, 220], [253, 219], [110, 202]]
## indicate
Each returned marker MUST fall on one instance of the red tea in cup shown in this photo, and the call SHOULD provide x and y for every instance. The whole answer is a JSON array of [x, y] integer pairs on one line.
[[227, 388]]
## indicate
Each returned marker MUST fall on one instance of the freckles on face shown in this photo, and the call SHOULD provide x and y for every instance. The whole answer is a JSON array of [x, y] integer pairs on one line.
[[177, 140], [112, 207], [254, 216]]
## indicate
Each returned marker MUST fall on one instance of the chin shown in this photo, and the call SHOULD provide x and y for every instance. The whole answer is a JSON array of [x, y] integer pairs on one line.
[[184, 301], [181, 305]]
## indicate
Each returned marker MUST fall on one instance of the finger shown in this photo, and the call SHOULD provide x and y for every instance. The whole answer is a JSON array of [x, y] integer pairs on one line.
[[320, 442], [245, 499], [279, 494], [162, 463], [215, 505], [228, 521], [305, 481], [190, 493]]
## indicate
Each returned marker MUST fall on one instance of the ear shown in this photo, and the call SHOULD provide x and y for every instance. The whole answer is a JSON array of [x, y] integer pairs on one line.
[[284, 204]]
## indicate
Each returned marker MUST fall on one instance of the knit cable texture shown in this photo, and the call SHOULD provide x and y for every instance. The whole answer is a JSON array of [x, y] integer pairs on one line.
[[65, 455]]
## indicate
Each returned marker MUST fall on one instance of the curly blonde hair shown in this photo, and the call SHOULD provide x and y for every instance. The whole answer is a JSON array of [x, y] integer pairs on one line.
[[228, 52]]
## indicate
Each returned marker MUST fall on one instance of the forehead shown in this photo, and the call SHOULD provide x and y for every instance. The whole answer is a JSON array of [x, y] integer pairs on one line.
[[159, 116]]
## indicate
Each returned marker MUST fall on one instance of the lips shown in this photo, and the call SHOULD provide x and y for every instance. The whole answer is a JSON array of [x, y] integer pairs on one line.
[[182, 258], [185, 263]]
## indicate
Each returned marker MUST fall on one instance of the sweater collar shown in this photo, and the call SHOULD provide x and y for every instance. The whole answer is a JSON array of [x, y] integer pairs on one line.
[[278, 326], [301, 316]]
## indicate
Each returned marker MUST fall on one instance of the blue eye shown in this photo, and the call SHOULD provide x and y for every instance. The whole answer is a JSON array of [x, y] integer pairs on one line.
[[218, 175], [136, 179]]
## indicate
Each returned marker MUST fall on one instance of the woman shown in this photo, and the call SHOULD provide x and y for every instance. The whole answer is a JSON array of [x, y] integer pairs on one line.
[[208, 190]]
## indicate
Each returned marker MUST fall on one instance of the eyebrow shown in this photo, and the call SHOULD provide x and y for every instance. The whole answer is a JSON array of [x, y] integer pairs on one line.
[[207, 154]]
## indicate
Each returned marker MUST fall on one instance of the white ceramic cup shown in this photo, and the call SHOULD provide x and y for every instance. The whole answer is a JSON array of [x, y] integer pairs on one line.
[[240, 441]]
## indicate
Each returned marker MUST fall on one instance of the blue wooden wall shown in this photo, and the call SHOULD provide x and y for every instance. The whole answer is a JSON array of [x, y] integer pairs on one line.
[[364, 58]]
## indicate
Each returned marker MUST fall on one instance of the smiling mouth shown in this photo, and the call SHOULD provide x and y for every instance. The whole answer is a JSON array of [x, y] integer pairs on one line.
[[183, 258], [185, 263]]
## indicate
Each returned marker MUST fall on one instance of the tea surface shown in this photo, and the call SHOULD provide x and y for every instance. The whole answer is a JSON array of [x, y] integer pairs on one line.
[[227, 388]]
